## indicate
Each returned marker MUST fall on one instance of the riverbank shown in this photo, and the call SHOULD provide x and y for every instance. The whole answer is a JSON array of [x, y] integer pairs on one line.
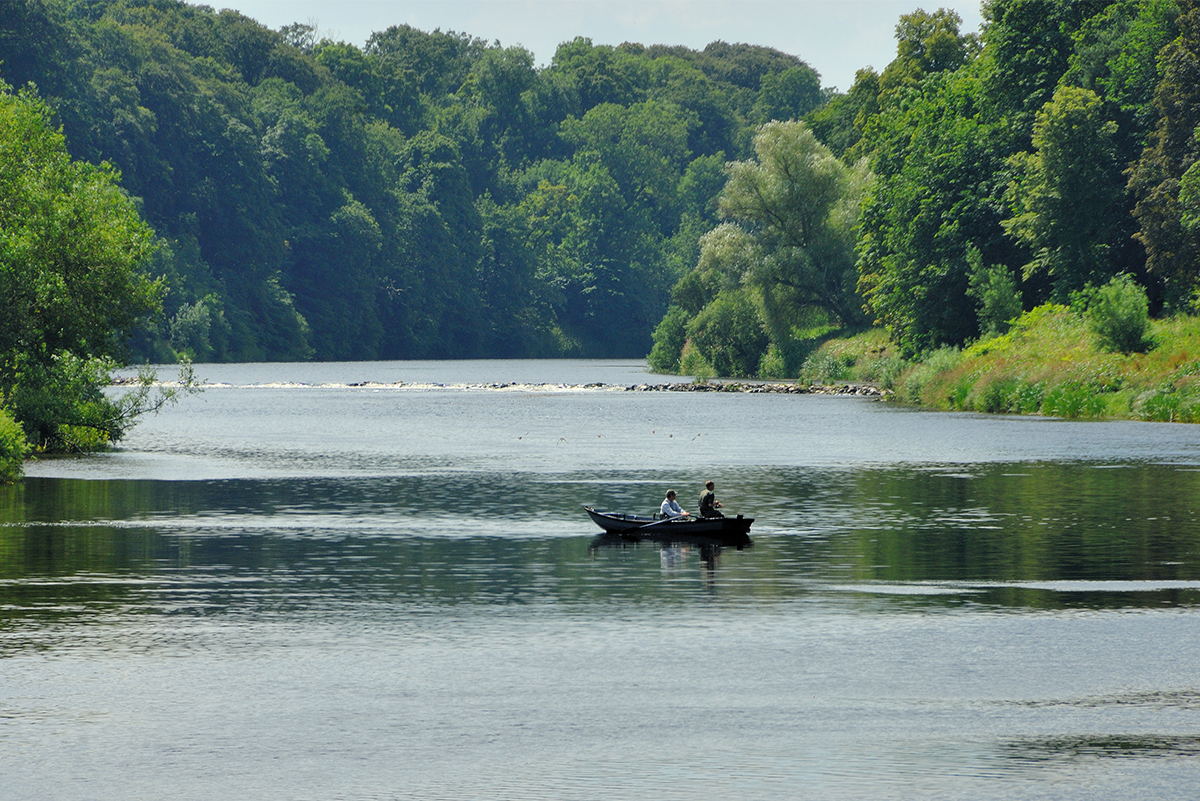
[[1050, 362], [857, 389]]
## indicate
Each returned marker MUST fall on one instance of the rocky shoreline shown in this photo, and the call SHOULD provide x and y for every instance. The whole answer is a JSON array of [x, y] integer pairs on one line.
[[862, 390], [751, 387]]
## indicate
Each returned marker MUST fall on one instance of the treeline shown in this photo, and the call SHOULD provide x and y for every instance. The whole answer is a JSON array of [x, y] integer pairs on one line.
[[974, 177], [437, 195], [426, 195]]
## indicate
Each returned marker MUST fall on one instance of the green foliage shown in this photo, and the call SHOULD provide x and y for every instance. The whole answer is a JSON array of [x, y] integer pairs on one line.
[[669, 338], [71, 244], [1050, 363], [1169, 403], [1073, 400], [840, 123], [823, 367], [787, 95], [437, 195], [800, 206], [791, 249], [927, 44], [995, 291], [729, 334], [61, 403], [1027, 47], [1115, 55], [693, 363], [838, 355], [1189, 198], [1067, 199], [317, 199], [937, 160], [14, 447], [72, 285], [772, 364], [1172, 246], [1119, 315], [911, 385]]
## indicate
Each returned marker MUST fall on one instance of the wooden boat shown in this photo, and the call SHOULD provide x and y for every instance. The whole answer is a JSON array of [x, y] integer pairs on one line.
[[721, 530]]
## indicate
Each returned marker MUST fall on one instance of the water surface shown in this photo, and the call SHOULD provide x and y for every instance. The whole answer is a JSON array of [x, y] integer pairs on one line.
[[291, 587]]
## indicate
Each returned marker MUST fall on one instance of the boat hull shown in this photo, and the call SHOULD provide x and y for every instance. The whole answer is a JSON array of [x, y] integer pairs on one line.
[[723, 530]]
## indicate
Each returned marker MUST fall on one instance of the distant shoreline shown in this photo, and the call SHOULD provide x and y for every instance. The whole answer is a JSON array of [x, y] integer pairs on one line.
[[858, 389]]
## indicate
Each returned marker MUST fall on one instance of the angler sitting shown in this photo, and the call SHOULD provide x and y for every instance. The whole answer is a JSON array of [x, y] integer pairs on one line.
[[670, 508]]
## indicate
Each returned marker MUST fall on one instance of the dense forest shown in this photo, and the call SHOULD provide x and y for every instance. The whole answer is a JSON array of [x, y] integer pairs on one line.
[[186, 184], [974, 177], [426, 195]]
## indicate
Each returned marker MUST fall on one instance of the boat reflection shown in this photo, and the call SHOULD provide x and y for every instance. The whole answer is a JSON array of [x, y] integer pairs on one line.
[[673, 556]]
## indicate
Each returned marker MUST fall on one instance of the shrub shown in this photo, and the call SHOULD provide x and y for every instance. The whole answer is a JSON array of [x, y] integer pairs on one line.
[[1074, 400], [693, 363], [997, 397], [669, 336], [13, 448], [1027, 398], [773, 364], [1166, 404], [1119, 315], [729, 334], [56, 398], [881, 370], [996, 293], [911, 385], [824, 367]]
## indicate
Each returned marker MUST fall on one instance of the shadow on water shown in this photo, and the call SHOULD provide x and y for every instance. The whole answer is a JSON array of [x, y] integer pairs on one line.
[[1025, 536], [1040, 750], [673, 555]]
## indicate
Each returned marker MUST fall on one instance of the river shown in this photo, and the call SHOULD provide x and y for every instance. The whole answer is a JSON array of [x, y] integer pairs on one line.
[[376, 581]]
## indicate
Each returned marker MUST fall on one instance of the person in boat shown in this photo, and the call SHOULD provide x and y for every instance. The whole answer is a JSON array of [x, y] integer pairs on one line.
[[670, 508], [708, 501]]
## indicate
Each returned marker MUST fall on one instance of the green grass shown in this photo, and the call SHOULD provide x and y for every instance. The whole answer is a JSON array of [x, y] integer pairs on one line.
[[866, 357], [1052, 363]]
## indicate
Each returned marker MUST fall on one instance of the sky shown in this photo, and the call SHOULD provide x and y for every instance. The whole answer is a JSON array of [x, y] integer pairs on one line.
[[835, 37]]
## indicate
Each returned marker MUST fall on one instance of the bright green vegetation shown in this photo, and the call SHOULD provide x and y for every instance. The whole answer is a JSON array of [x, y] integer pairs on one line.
[[867, 357], [72, 283], [1053, 360], [431, 195], [14, 447], [980, 176]]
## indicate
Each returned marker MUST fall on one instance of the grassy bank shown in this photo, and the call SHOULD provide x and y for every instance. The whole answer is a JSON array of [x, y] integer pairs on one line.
[[1050, 362]]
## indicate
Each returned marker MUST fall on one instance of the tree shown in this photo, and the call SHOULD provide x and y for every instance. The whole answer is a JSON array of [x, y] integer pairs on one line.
[[643, 147], [73, 246], [1115, 55], [840, 123], [72, 282], [1172, 247], [729, 333], [994, 288], [801, 206], [926, 44], [787, 95], [1067, 196], [938, 164], [1027, 48]]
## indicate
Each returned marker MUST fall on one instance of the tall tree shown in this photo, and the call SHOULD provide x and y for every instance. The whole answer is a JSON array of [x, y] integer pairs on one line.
[[939, 167], [73, 253], [1067, 197], [1172, 248], [801, 205]]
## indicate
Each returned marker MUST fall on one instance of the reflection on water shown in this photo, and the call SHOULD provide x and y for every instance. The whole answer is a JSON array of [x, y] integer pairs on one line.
[[1130, 746], [999, 534], [900, 628]]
